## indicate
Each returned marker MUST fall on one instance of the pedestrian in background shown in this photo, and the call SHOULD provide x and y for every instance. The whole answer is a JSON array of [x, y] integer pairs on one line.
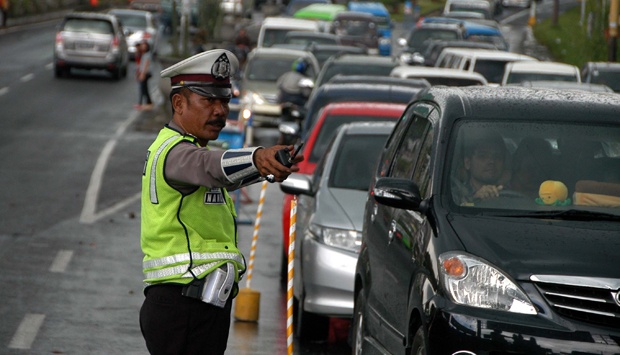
[[4, 8], [192, 265], [143, 74]]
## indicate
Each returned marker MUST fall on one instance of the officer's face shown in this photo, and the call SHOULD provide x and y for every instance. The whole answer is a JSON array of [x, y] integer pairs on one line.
[[202, 116]]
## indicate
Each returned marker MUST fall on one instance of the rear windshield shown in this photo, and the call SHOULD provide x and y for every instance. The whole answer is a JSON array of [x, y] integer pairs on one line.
[[609, 78], [492, 70], [514, 78], [88, 26], [329, 128], [132, 20], [270, 69]]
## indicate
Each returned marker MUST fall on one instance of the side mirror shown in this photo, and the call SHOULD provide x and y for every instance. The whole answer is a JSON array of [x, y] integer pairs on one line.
[[297, 184], [398, 193]]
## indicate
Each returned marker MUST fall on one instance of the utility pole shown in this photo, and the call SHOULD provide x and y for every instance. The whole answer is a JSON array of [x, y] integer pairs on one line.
[[556, 12], [613, 30]]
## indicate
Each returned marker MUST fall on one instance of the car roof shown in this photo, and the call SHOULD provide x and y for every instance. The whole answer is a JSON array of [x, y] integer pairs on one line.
[[363, 59], [541, 67], [360, 108], [368, 128], [279, 51], [374, 7], [289, 22], [519, 103], [90, 15], [407, 70], [129, 12], [309, 34], [482, 53], [375, 79]]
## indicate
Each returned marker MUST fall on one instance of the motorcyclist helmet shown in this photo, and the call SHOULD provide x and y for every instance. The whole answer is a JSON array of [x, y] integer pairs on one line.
[[300, 65]]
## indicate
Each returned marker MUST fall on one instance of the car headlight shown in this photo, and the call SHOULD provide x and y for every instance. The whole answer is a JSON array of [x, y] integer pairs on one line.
[[257, 99], [473, 282], [339, 238]]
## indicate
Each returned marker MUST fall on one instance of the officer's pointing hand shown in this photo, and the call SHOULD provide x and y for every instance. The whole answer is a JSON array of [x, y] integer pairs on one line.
[[267, 164]]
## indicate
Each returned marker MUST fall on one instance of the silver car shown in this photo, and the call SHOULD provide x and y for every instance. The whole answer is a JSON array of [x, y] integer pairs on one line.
[[329, 225], [138, 26], [89, 40]]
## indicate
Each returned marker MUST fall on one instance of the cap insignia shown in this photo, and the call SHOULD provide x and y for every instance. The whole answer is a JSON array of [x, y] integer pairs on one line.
[[221, 68]]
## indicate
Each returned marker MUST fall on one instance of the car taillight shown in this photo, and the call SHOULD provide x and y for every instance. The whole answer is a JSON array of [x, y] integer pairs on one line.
[[115, 42], [146, 35], [58, 38]]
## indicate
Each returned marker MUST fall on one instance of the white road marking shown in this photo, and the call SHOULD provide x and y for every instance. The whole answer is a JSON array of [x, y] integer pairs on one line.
[[49, 66], [26, 78], [89, 210], [62, 261], [4, 90], [27, 331]]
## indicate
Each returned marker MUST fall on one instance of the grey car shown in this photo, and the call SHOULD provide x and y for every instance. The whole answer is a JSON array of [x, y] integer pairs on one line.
[[88, 40], [329, 222]]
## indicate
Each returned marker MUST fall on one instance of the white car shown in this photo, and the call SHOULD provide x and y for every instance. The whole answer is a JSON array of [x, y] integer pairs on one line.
[[439, 76], [517, 72], [274, 29], [488, 62]]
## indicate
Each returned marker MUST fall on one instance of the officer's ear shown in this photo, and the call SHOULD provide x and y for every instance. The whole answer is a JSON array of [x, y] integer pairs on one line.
[[178, 100]]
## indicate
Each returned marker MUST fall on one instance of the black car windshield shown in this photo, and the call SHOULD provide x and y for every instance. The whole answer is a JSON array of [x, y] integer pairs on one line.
[[535, 167], [268, 69]]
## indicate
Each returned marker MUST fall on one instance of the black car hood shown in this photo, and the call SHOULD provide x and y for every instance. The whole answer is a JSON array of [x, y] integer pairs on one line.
[[524, 246]]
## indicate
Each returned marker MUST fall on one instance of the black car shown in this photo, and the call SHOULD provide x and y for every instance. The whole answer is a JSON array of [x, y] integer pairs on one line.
[[492, 226]]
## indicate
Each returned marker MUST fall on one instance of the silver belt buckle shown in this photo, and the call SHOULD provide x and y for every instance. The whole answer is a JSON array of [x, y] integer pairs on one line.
[[218, 285]]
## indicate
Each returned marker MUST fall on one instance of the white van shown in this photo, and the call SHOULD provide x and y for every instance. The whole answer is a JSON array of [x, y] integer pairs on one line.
[[488, 62], [524, 71], [274, 29]]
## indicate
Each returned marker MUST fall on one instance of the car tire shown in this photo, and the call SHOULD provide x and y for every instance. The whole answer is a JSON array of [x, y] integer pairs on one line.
[[419, 343], [60, 72], [309, 327], [357, 327]]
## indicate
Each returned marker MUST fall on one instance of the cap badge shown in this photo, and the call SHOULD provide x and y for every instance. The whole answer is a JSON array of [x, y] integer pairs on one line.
[[221, 68]]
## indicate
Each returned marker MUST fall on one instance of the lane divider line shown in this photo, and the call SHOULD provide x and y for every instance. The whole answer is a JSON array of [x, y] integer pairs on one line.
[[27, 331], [60, 263]]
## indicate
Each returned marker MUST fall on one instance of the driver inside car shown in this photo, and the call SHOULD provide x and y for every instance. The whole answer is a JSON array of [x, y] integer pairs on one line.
[[483, 167]]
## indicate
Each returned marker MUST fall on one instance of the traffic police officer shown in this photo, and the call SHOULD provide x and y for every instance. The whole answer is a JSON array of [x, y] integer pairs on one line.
[[189, 234]]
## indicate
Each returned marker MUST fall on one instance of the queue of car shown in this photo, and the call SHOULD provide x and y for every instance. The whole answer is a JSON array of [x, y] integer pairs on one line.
[[421, 273]]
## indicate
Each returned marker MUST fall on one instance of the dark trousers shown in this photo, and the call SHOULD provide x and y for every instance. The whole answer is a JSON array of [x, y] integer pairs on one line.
[[144, 92], [175, 324]]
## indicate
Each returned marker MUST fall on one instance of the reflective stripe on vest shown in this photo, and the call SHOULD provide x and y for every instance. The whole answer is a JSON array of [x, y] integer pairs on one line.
[[153, 175]]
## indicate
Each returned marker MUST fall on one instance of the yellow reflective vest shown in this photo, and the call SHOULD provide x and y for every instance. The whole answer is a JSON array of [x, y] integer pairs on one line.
[[183, 236]]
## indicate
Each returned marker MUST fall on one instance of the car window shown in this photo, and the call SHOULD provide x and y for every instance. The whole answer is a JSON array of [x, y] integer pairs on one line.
[[492, 70], [351, 172], [609, 78], [407, 152], [521, 156], [421, 174], [352, 69], [89, 26], [132, 20], [329, 129]]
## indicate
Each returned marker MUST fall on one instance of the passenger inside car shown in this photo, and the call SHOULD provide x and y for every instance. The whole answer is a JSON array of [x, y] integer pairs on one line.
[[532, 163], [483, 170]]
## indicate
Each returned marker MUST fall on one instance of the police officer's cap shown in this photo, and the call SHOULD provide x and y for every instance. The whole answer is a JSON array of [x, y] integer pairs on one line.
[[207, 73]]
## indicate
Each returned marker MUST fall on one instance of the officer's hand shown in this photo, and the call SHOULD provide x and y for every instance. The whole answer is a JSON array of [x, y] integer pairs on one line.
[[267, 164], [488, 191]]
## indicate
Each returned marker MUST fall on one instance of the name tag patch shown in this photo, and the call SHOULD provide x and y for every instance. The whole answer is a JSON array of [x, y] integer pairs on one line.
[[214, 197]]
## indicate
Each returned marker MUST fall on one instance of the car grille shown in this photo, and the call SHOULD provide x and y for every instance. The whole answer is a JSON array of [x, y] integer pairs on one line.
[[594, 303]]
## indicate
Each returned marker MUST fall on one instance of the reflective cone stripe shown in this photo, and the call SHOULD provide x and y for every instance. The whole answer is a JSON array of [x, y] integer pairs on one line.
[[289, 288], [259, 213]]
